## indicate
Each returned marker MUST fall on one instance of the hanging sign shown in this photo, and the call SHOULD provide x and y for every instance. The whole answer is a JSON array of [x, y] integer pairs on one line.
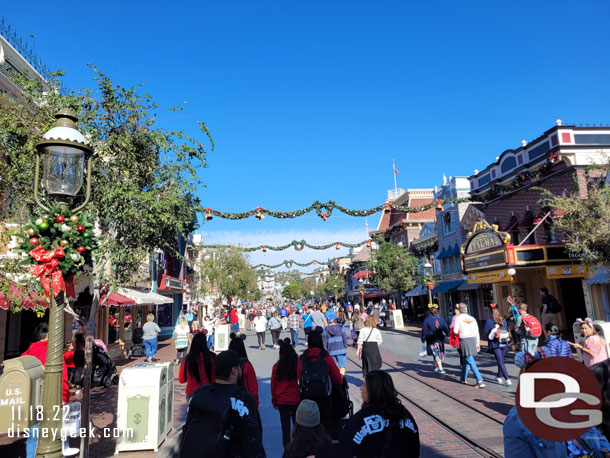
[[566, 271]]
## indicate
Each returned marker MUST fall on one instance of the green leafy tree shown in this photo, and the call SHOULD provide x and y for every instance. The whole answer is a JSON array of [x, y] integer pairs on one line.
[[229, 274], [334, 283], [584, 222], [144, 176], [395, 270], [293, 291]]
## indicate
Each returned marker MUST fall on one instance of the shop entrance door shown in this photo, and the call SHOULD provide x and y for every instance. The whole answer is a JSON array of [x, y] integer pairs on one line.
[[572, 300]]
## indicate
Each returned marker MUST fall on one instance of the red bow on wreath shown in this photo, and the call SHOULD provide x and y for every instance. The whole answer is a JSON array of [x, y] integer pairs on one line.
[[48, 270]]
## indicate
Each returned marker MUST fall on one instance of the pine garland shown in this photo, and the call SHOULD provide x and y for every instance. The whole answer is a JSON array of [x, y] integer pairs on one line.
[[289, 263], [298, 245], [325, 210]]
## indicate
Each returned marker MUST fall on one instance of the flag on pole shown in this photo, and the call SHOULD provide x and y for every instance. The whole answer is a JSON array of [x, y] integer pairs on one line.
[[394, 167]]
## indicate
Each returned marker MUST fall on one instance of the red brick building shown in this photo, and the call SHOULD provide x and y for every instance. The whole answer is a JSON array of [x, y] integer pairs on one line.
[[511, 194]]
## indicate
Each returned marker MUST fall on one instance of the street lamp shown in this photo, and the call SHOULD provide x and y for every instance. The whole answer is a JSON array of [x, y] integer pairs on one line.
[[63, 151], [428, 274]]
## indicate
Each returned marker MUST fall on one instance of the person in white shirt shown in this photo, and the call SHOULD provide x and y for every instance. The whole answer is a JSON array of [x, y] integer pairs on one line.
[[260, 326], [468, 330], [368, 346]]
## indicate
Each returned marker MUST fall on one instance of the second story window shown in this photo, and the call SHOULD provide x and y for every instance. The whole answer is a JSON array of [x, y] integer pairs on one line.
[[448, 226]]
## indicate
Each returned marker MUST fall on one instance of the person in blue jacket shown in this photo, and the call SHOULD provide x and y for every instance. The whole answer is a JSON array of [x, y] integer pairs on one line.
[[433, 332], [555, 345]]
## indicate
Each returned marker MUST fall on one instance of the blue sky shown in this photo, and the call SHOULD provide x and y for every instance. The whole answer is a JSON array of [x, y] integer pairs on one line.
[[311, 100]]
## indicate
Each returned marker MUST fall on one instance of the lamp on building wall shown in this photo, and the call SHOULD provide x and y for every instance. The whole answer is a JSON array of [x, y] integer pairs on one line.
[[63, 151]]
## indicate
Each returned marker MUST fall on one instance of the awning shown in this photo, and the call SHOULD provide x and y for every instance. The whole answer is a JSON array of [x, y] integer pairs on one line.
[[528, 220], [116, 300], [468, 286], [602, 276], [363, 274], [375, 294], [447, 286], [145, 297], [18, 294], [419, 290], [442, 254], [511, 224], [455, 251]]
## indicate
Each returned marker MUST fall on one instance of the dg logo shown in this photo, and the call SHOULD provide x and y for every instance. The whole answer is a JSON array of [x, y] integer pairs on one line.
[[558, 399]]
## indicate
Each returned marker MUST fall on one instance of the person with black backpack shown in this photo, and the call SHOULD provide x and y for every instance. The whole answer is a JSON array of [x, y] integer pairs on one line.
[[550, 307], [316, 372], [498, 336], [382, 428], [223, 420]]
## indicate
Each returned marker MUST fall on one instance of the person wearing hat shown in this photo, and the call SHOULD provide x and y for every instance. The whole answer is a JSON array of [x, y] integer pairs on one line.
[[335, 341], [242, 435], [309, 437]]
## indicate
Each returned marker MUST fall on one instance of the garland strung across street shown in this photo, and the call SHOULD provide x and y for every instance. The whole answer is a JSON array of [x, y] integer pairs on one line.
[[289, 263], [297, 244], [325, 210]]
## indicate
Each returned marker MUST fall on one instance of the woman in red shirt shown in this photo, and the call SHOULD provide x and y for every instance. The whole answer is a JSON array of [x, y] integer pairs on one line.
[[285, 387], [250, 382], [197, 369], [315, 351]]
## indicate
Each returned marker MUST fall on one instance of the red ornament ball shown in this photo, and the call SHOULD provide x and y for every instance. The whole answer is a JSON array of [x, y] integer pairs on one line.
[[80, 228], [60, 219], [81, 249], [34, 241]]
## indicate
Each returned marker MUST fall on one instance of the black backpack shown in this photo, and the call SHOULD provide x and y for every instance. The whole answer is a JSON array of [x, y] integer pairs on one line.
[[207, 430], [553, 304], [315, 381]]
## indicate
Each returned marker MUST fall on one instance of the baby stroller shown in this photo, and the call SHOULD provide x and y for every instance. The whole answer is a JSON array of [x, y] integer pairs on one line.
[[104, 371], [137, 348]]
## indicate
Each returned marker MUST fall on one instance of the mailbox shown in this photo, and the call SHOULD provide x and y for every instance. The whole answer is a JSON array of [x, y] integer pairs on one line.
[[145, 405], [20, 392]]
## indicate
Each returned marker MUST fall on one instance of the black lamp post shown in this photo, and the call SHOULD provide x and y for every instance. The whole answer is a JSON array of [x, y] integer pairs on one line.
[[428, 274]]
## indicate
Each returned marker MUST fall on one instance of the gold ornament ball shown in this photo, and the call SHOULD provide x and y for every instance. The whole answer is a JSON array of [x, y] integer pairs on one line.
[[74, 219], [64, 243], [44, 217], [31, 232]]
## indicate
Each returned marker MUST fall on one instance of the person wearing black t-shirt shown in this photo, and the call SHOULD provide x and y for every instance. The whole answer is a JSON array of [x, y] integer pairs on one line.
[[383, 427]]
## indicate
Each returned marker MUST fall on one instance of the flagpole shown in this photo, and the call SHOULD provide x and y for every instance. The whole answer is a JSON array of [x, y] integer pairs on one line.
[[394, 172]]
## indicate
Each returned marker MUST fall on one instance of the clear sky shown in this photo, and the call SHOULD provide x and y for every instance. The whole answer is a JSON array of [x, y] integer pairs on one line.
[[311, 100]]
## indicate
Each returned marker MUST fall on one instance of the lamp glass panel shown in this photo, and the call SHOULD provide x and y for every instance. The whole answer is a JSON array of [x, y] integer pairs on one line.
[[63, 170]]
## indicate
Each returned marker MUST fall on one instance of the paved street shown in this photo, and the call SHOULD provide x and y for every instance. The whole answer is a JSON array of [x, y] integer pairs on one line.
[[412, 376]]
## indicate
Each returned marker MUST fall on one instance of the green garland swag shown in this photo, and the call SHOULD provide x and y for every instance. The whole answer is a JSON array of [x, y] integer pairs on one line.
[[298, 245]]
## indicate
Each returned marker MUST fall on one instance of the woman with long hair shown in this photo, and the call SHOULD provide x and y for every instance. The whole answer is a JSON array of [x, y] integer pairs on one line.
[[197, 369], [307, 365], [594, 349], [285, 387], [393, 432], [497, 333], [309, 437], [275, 326], [368, 345], [357, 325], [433, 332], [249, 380]]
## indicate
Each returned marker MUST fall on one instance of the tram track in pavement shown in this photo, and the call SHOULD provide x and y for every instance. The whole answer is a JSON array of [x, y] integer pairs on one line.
[[473, 443]]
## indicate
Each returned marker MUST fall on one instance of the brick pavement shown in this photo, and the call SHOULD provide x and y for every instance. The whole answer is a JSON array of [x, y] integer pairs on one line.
[[435, 440], [103, 414]]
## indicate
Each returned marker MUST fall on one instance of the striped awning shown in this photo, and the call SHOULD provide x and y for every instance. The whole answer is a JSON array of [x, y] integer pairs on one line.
[[601, 277]]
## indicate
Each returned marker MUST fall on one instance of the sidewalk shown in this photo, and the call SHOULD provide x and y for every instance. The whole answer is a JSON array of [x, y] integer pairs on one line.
[[103, 410]]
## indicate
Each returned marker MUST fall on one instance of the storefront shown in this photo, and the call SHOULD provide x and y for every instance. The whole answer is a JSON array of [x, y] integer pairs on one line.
[[501, 269]]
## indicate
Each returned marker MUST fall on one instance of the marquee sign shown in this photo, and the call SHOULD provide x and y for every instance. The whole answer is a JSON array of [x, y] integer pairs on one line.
[[485, 248]]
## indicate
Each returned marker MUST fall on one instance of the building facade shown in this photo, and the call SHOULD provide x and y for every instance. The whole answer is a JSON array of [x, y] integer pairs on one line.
[[516, 250]]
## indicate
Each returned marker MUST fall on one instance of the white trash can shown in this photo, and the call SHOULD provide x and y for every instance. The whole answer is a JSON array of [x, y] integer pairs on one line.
[[145, 406]]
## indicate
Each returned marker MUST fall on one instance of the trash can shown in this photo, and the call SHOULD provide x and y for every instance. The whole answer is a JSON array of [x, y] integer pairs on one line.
[[169, 423], [143, 403], [20, 393]]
